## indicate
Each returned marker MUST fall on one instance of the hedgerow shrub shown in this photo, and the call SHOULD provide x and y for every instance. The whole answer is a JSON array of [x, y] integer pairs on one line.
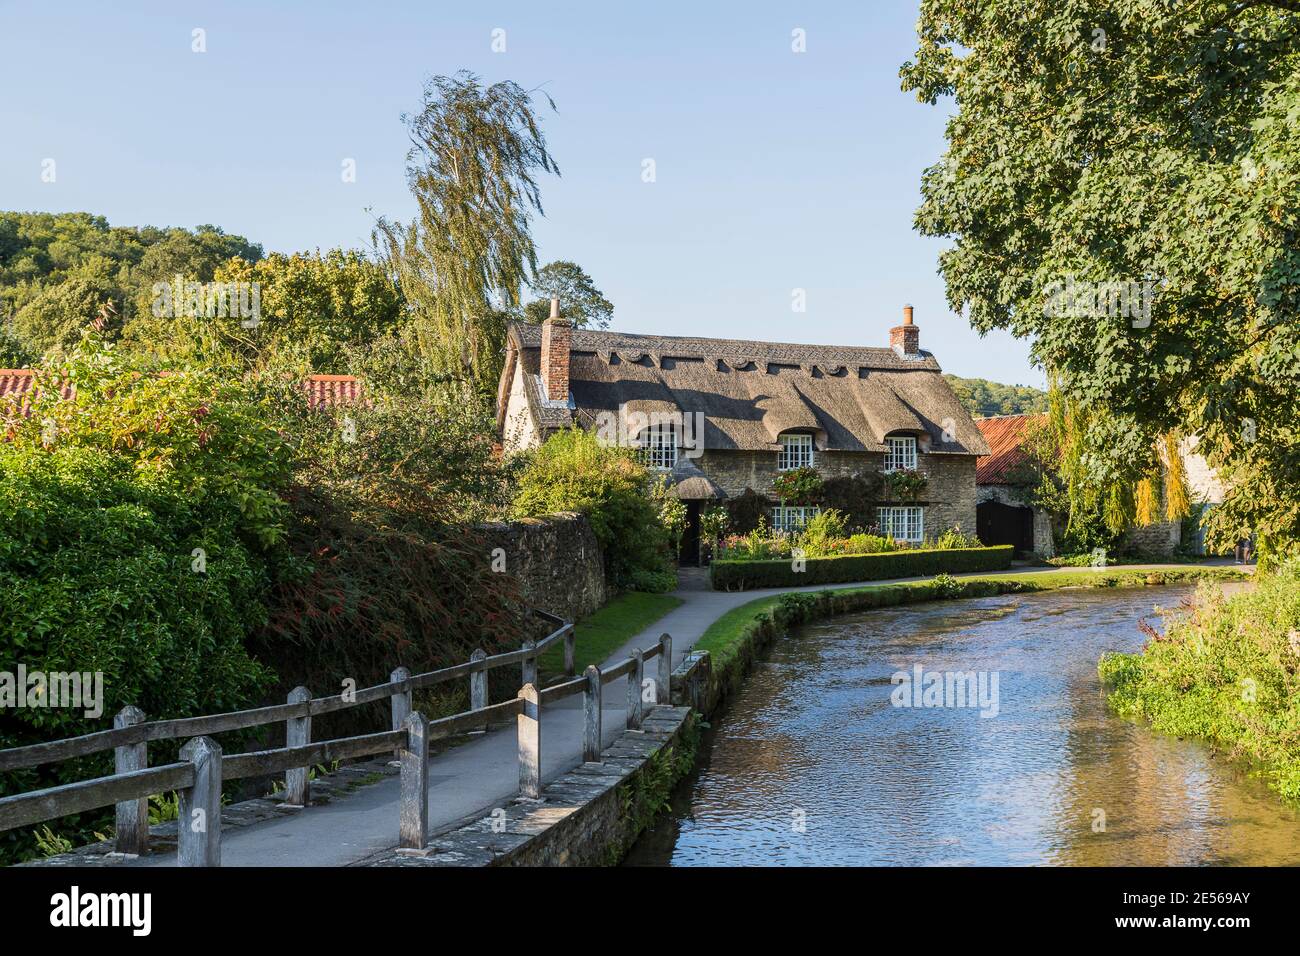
[[729, 575], [573, 471], [385, 566], [137, 519]]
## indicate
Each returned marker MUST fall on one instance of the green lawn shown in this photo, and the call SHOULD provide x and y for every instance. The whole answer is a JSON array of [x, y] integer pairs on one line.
[[608, 629]]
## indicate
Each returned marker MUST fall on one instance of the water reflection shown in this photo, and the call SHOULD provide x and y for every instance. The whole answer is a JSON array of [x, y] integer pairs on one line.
[[813, 741]]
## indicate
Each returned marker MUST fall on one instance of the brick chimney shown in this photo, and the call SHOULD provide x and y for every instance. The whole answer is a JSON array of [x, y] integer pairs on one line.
[[905, 339], [556, 333]]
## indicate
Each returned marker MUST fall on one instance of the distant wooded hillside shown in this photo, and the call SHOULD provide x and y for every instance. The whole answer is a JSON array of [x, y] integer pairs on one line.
[[984, 398]]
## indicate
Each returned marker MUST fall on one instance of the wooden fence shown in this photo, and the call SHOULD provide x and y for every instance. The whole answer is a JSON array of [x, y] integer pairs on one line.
[[203, 768]]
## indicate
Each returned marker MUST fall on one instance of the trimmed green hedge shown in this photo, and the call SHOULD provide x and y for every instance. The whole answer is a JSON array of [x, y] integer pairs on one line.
[[744, 575]]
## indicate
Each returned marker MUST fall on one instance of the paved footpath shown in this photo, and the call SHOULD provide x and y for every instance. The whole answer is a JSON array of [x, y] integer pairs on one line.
[[468, 781]]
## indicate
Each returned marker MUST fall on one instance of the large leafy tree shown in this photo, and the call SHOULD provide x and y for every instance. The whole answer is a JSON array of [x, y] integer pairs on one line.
[[580, 301], [463, 262], [313, 307], [61, 271], [1131, 142]]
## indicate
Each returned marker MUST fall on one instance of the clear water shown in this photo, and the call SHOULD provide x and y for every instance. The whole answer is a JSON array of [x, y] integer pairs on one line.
[[810, 764]]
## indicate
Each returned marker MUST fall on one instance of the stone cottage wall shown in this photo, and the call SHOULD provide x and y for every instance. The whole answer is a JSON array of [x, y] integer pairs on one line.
[[950, 496], [557, 561], [949, 499]]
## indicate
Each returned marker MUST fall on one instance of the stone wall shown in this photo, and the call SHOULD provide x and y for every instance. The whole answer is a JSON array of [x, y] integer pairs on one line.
[[1163, 537], [589, 816], [949, 500], [557, 561]]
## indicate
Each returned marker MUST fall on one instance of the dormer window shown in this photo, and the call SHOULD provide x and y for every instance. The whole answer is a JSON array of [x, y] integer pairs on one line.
[[659, 449], [900, 453], [796, 452]]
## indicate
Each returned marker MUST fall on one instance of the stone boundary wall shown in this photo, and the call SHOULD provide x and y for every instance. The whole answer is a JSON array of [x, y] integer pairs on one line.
[[557, 561], [589, 816]]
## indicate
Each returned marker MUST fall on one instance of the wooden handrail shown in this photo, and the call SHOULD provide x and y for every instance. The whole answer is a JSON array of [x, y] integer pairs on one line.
[[34, 755], [53, 802], [199, 776]]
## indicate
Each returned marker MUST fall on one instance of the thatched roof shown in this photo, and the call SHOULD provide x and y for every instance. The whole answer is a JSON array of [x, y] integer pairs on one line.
[[691, 484], [749, 392]]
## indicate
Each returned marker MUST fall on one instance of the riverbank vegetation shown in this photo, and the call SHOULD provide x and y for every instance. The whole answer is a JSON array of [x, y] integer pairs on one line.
[[1225, 671]]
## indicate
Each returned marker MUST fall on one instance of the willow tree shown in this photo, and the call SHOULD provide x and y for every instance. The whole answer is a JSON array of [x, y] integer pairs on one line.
[[1092, 512], [465, 259], [1146, 145]]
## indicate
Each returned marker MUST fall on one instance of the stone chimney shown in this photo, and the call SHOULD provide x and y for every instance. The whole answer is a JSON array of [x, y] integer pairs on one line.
[[556, 333], [905, 339]]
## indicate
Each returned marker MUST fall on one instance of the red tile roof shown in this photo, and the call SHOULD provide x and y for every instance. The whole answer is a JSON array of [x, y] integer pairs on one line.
[[322, 390], [325, 390], [18, 383], [1005, 435]]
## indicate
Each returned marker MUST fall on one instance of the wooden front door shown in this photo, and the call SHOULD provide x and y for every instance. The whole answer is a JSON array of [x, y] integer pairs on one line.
[[689, 553], [996, 523]]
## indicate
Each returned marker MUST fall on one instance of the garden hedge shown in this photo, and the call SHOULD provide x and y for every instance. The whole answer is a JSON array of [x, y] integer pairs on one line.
[[729, 575]]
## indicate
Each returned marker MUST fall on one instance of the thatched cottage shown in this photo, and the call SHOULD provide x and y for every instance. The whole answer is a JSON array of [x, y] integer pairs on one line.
[[720, 417]]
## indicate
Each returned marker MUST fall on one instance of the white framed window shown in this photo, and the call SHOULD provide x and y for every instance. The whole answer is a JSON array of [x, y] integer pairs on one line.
[[796, 452], [900, 453], [792, 518], [659, 448], [906, 523]]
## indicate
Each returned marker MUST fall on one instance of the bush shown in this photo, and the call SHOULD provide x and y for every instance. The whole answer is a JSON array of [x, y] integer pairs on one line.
[[822, 535], [757, 545], [867, 544], [573, 471], [798, 486], [954, 538], [652, 582], [139, 523], [747, 511], [733, 575], [1227, 672], [385, 568]]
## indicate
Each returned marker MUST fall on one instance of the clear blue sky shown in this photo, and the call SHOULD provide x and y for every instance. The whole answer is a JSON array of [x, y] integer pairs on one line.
[[774, 170]]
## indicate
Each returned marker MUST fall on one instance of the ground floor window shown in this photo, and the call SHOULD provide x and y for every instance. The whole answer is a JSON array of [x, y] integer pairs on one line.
[[792, 518], [903, 523]]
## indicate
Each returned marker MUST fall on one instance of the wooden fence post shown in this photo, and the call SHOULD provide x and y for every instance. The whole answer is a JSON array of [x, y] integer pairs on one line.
[[530, 743], [478, 683], [198, 824], [635, 709], [664, 690], [401, 702], [530, 665], [132, 815], [570, 647], [413, 818], [297, 733], [591, 707]]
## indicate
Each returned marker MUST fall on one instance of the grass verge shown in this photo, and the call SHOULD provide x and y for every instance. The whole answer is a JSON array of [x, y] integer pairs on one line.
[[608, 629], [1227, 673]]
